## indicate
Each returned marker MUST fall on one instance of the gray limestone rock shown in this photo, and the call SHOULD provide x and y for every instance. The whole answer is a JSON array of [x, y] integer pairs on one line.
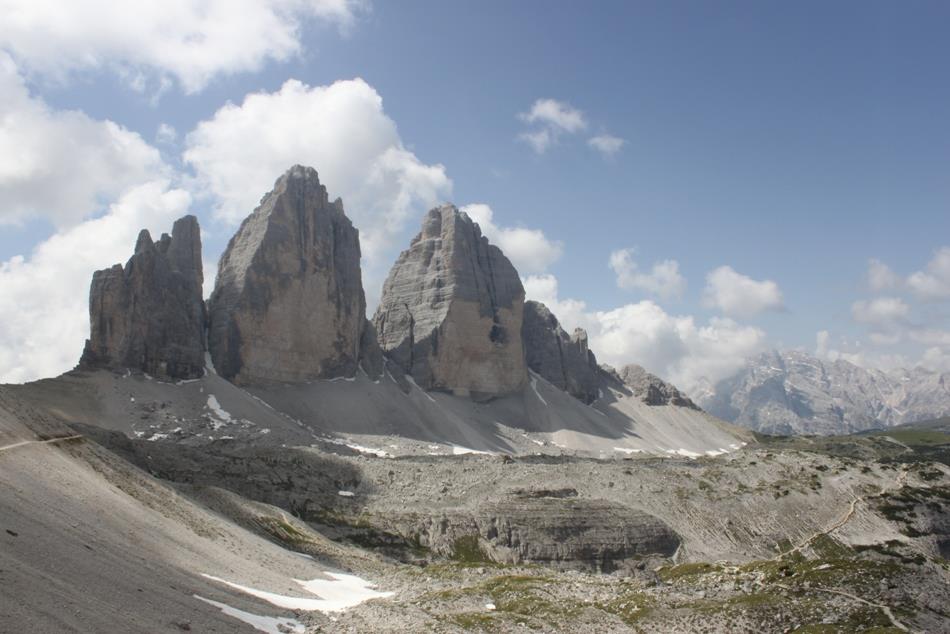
[[793, 392], [650, 388], [288, 303], [563, 360], [451, 310], [149, 315]]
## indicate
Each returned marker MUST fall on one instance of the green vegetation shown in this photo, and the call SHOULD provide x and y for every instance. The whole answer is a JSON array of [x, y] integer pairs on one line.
[[467, 550]]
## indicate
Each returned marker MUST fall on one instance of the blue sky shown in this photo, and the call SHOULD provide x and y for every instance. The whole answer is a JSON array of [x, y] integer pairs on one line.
[[793, 143]]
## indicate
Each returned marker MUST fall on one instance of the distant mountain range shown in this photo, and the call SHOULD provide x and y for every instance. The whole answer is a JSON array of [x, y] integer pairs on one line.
[[792, 392]]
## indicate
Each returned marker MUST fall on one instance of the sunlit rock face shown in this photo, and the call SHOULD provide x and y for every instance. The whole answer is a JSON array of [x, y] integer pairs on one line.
[[451, 310], [288, 303]]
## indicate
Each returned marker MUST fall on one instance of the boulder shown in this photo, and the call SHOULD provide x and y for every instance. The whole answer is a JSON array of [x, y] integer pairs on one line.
[[451, 310], [149, 316], [563, 360], [288, 303]]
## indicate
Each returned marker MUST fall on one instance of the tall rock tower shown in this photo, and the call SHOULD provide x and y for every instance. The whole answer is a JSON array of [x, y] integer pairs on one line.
[[288, 303], [451, 310], [149, 316]]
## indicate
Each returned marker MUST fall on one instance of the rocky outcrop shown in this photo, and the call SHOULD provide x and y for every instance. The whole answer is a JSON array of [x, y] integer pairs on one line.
[[650, 388], [563, 360], [149, 315], [451, 310], [551, 528], [288, 303]]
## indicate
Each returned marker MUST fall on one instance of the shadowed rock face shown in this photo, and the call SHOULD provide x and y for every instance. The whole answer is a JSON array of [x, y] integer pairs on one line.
[[563, 360], [288, 303], [451, 310], [149, 315]]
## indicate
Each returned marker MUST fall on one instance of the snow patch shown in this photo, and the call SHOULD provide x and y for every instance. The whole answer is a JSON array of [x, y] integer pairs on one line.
[[339, 592], [534, 386], [224, 418], [627, 450], [459, 451], [269, 624], [684, 452]]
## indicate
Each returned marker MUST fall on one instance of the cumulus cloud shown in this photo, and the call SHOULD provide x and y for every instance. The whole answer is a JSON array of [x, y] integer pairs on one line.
[[528, 249], [44, 317], [677, 348], [343, 132], [192, 41], [881, 277], [551, 119], [933, 283], [556, 114], [60, 165], [881, 312], [740, 295], [606, 144], [663, 279]]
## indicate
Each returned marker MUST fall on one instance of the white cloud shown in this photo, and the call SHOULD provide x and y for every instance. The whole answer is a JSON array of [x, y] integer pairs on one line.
[[676, 348], [822, 338], [528, 249], [933, 283], [606, 144], [152, 40], [44, 316], [61, 165], [556, 114], [166, 134], [739, 295], [880, 312], [664, 278], [342, 131], [881, 277], [552, 118], [937, 359]]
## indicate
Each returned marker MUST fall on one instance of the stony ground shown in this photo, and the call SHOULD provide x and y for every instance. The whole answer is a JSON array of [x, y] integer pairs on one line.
[[786, 535]]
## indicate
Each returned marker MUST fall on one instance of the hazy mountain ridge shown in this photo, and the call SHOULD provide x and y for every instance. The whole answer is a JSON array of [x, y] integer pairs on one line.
[[793, 392]]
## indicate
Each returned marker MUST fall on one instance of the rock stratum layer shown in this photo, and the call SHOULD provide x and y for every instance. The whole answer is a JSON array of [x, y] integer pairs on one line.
[[288, 304], [451, 310], [563, 360], [149, 315]]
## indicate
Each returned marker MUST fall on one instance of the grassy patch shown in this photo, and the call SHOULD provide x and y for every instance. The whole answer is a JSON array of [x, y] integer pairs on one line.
[[467, 550]]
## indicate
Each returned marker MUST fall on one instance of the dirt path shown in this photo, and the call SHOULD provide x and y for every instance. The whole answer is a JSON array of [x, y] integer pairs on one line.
[[852, 507], [883, 608], [23, 443]]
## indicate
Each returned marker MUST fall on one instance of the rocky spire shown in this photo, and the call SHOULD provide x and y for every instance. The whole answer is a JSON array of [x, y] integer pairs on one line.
[[149, 315], [451, 310], [288, 303], [563, 360], [649, 388]]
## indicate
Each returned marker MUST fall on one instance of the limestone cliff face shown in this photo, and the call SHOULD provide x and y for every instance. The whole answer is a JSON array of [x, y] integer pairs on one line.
[[451, 310], [563, 360], [149, 316], [288, 303]]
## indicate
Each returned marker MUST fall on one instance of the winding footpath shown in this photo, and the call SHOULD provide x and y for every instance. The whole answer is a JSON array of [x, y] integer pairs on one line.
[[49, 441], [898, 484], [852, 507]]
